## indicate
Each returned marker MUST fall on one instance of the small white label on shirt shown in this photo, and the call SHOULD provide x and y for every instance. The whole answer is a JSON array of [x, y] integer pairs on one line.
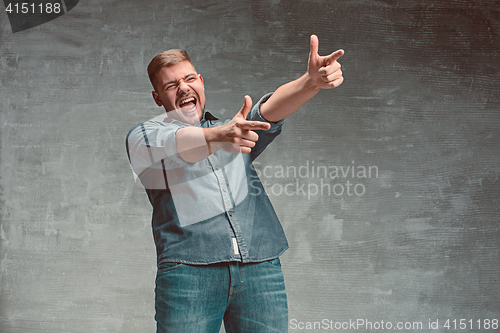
[[235, 246]]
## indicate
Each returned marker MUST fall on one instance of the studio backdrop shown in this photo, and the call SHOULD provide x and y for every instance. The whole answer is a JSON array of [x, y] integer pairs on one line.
[[387, 187]]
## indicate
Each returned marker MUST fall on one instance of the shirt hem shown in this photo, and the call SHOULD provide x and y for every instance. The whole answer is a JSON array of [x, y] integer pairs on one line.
[[203, 263]]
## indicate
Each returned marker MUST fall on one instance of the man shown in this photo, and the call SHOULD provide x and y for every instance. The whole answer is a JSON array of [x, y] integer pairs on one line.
[[217, 236]]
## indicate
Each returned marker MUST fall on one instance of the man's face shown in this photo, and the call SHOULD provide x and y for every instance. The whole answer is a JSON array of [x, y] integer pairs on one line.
[[180, 90]]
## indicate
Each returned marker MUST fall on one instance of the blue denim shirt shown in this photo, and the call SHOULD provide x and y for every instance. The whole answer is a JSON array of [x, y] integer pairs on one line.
[[215, 210]]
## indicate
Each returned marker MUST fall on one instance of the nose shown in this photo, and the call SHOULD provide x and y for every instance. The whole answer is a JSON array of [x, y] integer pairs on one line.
[[183, 87]]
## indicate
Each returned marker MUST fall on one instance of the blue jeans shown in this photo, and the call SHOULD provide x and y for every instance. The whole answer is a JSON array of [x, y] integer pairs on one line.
[[196, 299]]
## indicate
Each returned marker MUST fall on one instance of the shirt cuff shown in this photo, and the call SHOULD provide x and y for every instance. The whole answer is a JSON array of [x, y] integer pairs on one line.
[[256, 116]]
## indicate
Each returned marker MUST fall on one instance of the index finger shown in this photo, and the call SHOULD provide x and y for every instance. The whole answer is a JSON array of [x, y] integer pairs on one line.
[[254, 125], [335, 55]]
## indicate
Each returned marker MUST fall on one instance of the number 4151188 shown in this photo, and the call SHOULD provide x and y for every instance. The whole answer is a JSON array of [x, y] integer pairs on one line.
[[31, 8], [463, 324]]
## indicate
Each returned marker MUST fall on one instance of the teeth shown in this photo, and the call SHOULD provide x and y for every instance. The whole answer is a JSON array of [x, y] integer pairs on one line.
[[187, 100]]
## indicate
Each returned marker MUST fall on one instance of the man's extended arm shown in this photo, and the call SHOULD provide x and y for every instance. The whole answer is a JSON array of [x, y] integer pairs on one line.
[[322, 73]]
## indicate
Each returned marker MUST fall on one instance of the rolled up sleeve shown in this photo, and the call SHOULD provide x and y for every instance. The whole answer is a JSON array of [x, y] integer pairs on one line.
[[153, 145], [265, 136]]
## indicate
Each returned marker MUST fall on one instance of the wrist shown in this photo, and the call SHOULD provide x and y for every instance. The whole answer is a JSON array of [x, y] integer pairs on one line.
[[212, 138], [310, 83], [210, 134]]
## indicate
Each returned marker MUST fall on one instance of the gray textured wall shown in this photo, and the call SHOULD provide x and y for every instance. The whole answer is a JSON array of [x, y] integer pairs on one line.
[[420, 102]]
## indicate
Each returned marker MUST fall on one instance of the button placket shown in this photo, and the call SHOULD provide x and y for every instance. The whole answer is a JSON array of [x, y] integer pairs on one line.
[[226, 197]]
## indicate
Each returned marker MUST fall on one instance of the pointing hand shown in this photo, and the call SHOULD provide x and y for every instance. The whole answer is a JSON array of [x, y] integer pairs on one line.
[[238, 134], [324, 70]]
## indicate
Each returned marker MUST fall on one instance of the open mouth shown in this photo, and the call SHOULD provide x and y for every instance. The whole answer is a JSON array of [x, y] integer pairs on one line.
[[188, 104]]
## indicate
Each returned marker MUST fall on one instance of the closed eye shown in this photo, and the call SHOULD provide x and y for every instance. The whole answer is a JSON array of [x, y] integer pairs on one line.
[[173, 85]]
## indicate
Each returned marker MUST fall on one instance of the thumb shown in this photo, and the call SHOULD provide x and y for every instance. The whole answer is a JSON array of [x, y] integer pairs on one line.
[[314, 46], [247, 105]]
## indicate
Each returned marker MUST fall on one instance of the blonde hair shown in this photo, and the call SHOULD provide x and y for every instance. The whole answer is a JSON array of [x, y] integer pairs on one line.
[[166, 59]]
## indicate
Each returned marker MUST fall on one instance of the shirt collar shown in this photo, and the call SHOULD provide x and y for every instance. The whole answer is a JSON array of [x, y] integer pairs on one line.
[[207, 115]]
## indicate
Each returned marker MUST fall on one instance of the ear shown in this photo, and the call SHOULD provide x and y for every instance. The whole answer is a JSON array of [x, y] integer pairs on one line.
[[157, 98], [199, 75]]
